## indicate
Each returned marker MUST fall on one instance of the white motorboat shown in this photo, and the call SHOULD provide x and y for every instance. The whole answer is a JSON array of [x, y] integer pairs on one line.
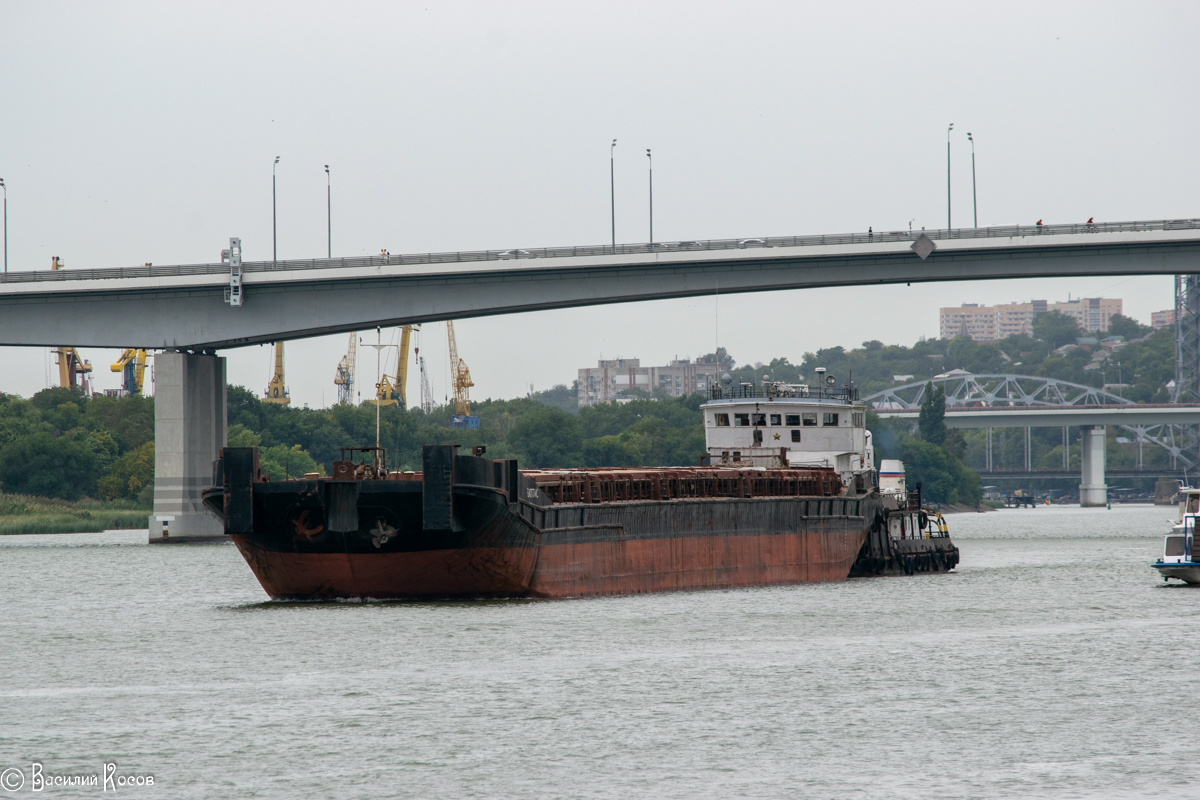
[[1189, 503], [1179, 559]]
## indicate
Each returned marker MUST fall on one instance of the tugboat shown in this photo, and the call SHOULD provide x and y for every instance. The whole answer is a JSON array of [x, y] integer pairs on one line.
[[906, 537], [784, 494], [1179, 558]]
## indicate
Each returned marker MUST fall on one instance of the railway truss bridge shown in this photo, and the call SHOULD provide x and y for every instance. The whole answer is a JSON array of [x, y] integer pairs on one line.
[[1024, 401]]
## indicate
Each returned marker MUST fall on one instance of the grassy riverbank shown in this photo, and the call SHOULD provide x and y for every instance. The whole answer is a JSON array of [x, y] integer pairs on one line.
[[26, 514]]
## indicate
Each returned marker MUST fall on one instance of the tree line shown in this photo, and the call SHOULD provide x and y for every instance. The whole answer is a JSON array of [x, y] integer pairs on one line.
[[61, 444]]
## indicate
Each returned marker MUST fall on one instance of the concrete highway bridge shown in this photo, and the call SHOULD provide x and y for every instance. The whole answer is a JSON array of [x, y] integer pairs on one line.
[[192, 311]]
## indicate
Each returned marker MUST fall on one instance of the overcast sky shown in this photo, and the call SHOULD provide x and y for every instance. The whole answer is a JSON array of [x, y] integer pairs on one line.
[[146, 132]]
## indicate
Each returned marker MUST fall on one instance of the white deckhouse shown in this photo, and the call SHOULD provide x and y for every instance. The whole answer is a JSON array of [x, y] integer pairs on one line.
[[782, 424]]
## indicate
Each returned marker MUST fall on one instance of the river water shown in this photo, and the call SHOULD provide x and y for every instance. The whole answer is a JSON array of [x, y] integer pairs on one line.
[[1053, 663]]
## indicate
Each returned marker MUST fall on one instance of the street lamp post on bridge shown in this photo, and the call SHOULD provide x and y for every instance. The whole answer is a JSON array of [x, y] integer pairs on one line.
[[612, 188], [948, 225], [651, 196], [5, 188], [274, 238], [974, 197]]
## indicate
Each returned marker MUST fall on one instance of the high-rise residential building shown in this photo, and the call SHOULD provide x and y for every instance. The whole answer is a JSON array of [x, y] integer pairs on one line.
[[1162, 319], [612, 377], [989, 323]]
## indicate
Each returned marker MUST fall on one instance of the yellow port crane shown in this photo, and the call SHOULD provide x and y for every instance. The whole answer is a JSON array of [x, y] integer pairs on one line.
[[73, 371], [461, 377], [344, 379], [393, 391], [132, 366], [276, 390]]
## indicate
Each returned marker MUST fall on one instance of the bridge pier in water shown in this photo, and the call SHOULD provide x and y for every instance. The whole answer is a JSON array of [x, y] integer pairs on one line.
[[1092, 489], [189, 432]]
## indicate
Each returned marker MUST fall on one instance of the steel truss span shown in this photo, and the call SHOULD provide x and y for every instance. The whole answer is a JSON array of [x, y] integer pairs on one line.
[[1007, 390]]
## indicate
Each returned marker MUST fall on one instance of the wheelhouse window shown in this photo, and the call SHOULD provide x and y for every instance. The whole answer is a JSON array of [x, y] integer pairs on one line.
[[760, 420], [795, 436], [793, 419], [830, 419], [810, 420], [722, 420], [741, 420], [1174, 546], [775, 420], [859, 419]]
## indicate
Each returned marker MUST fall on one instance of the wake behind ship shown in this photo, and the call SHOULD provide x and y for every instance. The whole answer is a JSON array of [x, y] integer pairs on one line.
[[465, 526]]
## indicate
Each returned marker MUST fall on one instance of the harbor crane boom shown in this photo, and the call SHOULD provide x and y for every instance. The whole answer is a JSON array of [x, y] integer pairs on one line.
[[426, 389], [277, 390], [344, 379], [461, 377], [394, 391], [132, 366]]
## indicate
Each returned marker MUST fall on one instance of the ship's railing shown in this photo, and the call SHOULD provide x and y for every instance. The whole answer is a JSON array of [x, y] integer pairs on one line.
[[515, 253], [749, 391]]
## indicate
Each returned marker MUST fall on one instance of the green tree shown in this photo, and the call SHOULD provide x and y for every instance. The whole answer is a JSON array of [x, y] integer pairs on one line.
[[129, 476], [241, 436], [55, 396], [49, 466], [282, 462], [720, 356], [611, 451], [547, 437], [1121, 325], [943, 477], [129, 419], [932, 419], [1056, 328], [560, 396]]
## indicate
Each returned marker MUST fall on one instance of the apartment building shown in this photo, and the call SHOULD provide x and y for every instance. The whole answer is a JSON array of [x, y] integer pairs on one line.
[[989, 323], [1162, 319], [606, 382]]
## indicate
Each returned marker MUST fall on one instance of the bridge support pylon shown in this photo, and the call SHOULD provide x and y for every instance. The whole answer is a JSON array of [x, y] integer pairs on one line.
[[1092, 489], [189, 432]]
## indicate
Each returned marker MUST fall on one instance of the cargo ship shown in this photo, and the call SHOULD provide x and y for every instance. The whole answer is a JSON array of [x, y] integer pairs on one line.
[[784, 494]]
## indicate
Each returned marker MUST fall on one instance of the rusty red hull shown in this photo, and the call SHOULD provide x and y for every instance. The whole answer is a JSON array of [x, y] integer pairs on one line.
[[708, 562], [484, 531], [564, 570], [466, 572]]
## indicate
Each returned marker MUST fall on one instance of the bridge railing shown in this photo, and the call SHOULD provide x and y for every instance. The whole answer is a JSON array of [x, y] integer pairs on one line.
[[706, 245]]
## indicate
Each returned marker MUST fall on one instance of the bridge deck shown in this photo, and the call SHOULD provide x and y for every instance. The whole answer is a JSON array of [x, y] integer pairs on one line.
[[905, 238], [184, 306]]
